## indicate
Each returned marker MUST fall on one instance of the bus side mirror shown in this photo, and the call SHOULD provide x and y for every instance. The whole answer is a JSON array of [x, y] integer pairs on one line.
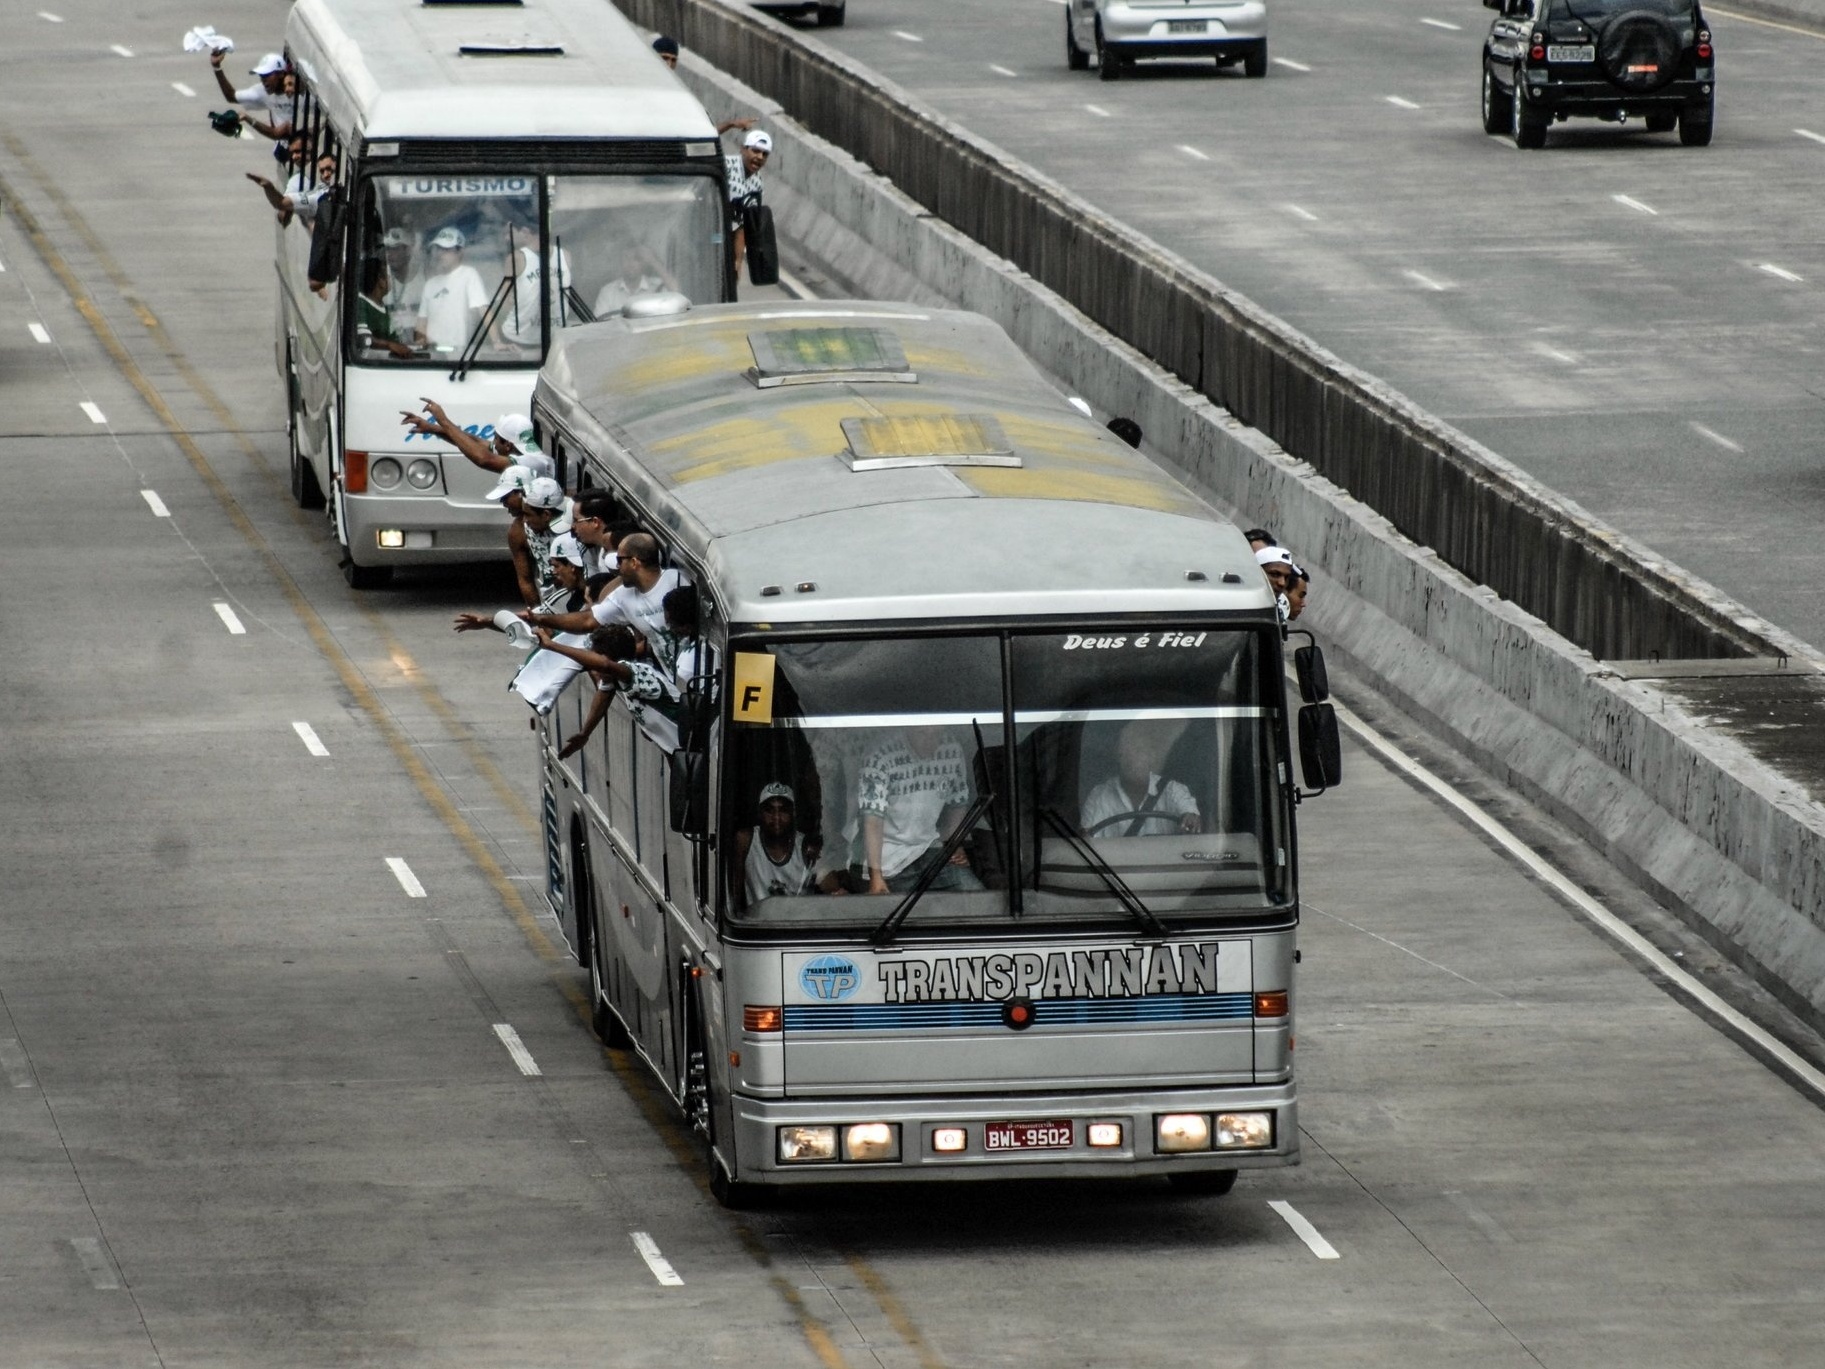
[[690, 792], [1320, 747], [1314, 680]]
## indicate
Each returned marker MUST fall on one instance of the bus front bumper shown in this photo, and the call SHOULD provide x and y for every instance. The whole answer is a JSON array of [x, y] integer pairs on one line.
[[986, 1128], [423, 530]]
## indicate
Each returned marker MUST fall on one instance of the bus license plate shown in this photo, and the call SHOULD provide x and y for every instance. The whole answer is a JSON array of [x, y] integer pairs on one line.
[[1184, 26], [1584, 53], [1028, 1135]]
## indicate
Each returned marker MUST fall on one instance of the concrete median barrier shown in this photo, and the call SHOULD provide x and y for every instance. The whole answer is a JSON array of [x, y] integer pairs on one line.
[[1479, 600]]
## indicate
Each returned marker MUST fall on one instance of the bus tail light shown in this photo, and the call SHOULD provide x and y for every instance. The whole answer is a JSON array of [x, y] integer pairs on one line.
[[761, 1019], [354, 472], [1273, 1003]]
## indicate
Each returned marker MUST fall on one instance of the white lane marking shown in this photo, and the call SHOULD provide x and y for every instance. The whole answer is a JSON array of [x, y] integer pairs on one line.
[[2, 266], [1300, 213], [1781, 271], [37, 332], [1424, 280], [17, 1064], [183, 90], [1304, 1230], [517, 1049], [1441, 24], [407, 880], [50, 18], [1098, 110], [154, 503], [1400, 102], [1808, 133], [312, 742], [95, 414], [1568, 358], [1716, 437], [1481, 1220], [907, 37], [1408, 950], [95, 1264], [116, 47], [661, 1267], [232, 623], [1630, 202], [1290, 64], [1675, 975], [1002, 71], [1193, 153]]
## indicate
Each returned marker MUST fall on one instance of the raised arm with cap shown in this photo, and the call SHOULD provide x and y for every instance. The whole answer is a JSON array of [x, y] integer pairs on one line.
[[434, 422]]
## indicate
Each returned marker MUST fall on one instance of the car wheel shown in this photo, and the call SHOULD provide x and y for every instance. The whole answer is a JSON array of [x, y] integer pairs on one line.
[[1255, 64], [1108, 65], [830, 16], [1075, 57], [1496, 101], [1661, 123], [1527, 129], [1695, 124]]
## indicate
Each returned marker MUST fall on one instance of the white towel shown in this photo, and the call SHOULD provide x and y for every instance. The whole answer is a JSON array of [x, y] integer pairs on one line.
[[543, 677], [204, 38]]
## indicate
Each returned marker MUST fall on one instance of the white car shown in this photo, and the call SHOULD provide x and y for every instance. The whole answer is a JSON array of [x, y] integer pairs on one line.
[[1121, 31]]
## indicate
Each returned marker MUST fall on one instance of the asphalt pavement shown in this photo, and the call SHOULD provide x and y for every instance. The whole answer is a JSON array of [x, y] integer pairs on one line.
[[1635, 323], [260, 983]]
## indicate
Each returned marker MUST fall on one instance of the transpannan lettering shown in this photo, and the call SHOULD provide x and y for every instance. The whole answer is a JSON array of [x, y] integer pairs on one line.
[[1131, 972]]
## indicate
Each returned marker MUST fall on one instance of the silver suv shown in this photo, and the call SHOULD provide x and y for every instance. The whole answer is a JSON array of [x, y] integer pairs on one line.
[[1121, 31]]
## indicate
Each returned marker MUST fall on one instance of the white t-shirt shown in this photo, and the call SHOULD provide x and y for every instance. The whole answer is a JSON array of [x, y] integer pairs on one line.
[[524, 309], [909, 793], [645, 614], [279, 108], [1171, 800], [402, 302], [448, 301], [766, 877], [616, 293]]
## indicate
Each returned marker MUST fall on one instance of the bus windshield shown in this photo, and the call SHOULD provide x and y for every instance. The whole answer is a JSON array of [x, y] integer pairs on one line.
[[1143, 781], [453, 264]]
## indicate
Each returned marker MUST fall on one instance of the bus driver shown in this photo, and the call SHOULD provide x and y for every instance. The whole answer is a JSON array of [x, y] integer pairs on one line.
[[1137, 801]]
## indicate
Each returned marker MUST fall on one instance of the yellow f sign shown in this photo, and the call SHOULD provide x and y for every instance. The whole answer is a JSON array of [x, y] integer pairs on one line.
[[753, 687]]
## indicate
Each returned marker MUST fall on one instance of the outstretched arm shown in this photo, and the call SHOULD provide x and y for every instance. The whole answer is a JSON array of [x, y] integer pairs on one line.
[[434, 422]]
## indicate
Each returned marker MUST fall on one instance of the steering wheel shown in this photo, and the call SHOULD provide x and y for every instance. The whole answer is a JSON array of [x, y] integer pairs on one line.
[[1128, 817]]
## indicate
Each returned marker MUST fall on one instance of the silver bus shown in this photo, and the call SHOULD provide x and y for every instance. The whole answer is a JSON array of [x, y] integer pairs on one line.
[[972, 853], [501, 173]]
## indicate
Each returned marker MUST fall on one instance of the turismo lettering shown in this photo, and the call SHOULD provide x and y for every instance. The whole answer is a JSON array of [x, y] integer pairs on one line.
[[450, 187], [1131, 972]]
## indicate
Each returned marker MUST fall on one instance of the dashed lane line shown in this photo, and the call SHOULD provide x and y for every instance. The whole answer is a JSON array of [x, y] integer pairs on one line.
[[1304, 1230], [1709, 435], [95, 1262], [1300, 212], [1555, 354], [1193, 153], [511, 1040], [154, 503], [50, 18], [183, 90], [906, 37], [1421, 279], [1780, 272], [38, 332], [407, 880], [1290, 64], [1098, 111], [1630, 202], [122, 51], [1808, 133], [661, 1267], [96, 416], [1442, 24], [234, 625], [1001, 70], [1400, 102], [312, 742]]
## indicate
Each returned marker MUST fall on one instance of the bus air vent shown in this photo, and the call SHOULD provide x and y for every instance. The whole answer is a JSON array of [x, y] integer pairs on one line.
[[512, 47], [888, 443], [458, 4], [810, 356]]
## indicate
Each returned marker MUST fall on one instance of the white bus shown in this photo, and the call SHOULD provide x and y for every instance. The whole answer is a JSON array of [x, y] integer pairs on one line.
[[513, 170], [976, 858]]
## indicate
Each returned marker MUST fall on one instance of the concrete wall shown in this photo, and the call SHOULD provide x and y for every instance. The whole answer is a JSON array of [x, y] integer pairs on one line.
[[1445, 491], [1733, 845]]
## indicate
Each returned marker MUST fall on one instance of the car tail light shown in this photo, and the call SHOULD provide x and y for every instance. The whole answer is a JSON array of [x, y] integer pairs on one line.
[[1704, 44], [354, 472], [1537, 53]]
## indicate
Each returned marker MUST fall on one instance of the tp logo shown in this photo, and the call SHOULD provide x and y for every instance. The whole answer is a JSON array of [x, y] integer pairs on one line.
[[831, 978]]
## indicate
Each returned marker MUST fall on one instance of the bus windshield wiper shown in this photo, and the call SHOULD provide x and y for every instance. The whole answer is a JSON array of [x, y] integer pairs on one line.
[[1117, 886], [584, 314], [971, 816], [482, 325]]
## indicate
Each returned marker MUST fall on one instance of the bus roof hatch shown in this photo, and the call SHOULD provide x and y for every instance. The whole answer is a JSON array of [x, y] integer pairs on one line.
[[894, 442], [809, 356]]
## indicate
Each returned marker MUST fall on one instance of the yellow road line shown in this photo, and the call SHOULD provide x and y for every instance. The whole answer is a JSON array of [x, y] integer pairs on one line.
[[1765, 23], [889, 1304]]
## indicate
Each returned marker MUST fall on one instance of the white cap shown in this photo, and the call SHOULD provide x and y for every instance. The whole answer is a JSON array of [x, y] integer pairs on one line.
[[396, 237], [516, 429], [776, 790], [759, 139], [448, 237], [268, 64], [542, 492], [567, 548], [514, 478], [1273, 556]]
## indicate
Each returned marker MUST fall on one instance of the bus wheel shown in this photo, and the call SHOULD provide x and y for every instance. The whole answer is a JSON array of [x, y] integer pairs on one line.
[[607, 1026], [733, 1193], [365, 577], [1204, 1183], [304, 488]]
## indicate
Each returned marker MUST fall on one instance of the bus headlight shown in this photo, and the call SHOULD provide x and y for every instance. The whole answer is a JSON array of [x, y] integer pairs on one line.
[[1175, 1132], [422, 474], [385, 472], [867, 1141], [801, 1145], [1245, 1130]]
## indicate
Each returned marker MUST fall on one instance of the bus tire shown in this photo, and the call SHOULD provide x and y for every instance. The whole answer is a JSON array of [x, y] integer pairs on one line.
[[365, 577], [305, 490], [602, 1019], [734, 1194], [1204, 1183]]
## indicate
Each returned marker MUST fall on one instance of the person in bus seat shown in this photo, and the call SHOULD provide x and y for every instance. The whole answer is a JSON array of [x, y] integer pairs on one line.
[[520, 323], [511, 444], [406, 285], [454, 296], [695, 659], [373, 324], [640, 275], [784, 859], [638, 601], [911, 792], [1137, 801]]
